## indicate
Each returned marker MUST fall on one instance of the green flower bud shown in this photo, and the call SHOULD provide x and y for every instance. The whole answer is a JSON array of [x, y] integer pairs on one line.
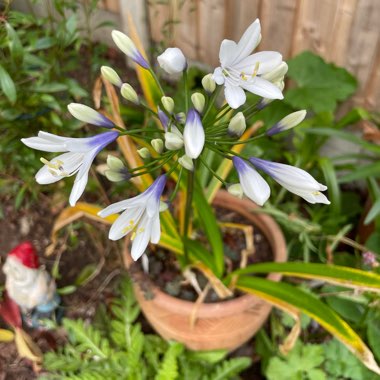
[[173, 141], [128, 92], [237, 125], [186, 162], [111, 75], [208, 83], [114, 163], [158, 145], [144, 152], [236, 190], [168, 103], [114, 176], [198, 100]]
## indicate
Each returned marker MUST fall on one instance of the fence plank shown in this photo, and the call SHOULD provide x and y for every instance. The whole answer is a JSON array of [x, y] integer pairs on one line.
[[186, 29], [211, 30], [277, 24]]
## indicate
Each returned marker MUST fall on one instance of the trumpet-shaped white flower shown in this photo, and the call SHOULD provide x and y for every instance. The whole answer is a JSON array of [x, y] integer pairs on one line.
[[126, 45], [172, 61], [141, 217], [295, 180], [241, 71], [80, 152], [254, 186], [193, 134], [89, 115]]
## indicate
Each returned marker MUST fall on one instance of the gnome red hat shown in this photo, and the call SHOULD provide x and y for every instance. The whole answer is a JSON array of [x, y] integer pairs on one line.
[[26, 254]]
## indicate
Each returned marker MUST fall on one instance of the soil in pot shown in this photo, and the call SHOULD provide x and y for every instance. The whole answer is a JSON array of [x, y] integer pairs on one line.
[[165, 273]]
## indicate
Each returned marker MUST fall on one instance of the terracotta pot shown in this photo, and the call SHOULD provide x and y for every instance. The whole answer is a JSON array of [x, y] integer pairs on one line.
[[220, 325]]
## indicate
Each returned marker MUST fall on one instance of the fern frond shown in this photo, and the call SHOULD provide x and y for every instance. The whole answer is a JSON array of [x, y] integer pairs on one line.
[[90, 339], [228, 369], [169, 366]]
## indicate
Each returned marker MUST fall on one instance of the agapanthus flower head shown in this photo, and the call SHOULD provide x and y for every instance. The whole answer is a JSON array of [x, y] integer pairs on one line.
[[141, 217], [293, 179], [80, 153], [126, 45], [89, 115], [240, 70]]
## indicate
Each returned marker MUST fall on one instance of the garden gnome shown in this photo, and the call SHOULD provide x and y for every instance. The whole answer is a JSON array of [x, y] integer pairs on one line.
[[30, 285]]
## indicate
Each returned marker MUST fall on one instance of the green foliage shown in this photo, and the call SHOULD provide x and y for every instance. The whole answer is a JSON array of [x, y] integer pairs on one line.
[[319, 85], [341, 364], [38, 56], [114, 347], [302, 363], [330, 361]]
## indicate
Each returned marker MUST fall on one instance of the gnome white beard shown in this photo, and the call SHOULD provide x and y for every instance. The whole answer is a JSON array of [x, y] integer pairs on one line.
[[26, 286]]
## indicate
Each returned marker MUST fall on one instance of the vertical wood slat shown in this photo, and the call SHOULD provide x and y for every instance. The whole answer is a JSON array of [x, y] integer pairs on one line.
[[211, 29], [186, 33], [363, 41], [239, 15], [277, 23]]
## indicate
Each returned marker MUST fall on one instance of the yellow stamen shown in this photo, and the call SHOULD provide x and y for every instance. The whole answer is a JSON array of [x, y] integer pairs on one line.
[[316, 193], [56, 168]]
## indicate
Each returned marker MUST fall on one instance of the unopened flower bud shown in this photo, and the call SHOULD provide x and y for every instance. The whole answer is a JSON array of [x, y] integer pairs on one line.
[[186, 162], [276, 74], [181, 117], [173, 141], [114, 163], [126, 45], [237, 125], [89, 115], [172, 61], [198, 101], [158, 145], [117, 171], [236, 190], [128, 92], [288, 122], [111, 75], [143, 152], [168, 103], [208, 83]]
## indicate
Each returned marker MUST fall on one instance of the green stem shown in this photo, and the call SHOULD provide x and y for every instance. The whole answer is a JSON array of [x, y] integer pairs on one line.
[[157, 81], [210, 104], [177, 186], [189, 201], [186, 85], [212, 171]]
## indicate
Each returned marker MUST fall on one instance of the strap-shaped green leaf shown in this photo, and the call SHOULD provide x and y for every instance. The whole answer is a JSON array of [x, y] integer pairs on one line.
[[210, 226], [293, 300], [335, 274]]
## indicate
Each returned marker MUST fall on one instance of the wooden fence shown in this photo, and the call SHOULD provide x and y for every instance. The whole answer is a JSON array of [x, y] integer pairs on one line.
[[346, 32]]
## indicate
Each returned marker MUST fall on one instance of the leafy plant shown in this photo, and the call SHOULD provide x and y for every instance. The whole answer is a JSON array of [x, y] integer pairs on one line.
[[118, 349], [39, 57], [176, 144]]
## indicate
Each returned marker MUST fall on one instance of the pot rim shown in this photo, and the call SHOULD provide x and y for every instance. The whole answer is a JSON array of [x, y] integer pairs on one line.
[[267, 226]]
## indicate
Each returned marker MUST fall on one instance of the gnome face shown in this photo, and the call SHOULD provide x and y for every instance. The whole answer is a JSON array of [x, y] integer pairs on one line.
[[28, 285]]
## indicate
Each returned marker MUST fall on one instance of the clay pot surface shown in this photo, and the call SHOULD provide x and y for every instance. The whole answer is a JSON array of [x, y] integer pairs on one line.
[[220, 325]]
